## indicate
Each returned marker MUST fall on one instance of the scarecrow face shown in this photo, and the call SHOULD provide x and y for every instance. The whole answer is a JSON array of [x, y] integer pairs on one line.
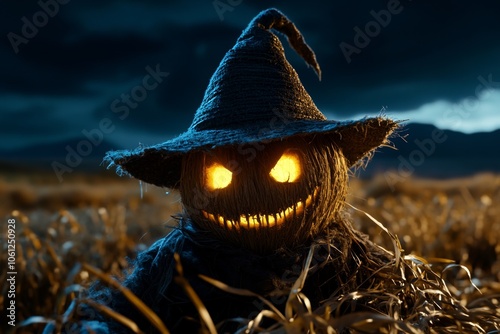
[[263, 200], [286, 173]]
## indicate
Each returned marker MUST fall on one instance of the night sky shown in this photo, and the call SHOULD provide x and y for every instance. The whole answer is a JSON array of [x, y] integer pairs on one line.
[[428, 61]]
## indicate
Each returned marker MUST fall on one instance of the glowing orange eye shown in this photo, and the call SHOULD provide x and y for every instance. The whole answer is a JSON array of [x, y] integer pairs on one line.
[[218, 177], [287, 169]]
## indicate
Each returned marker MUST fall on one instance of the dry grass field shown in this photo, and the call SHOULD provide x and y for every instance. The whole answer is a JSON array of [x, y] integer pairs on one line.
[[100, 220]]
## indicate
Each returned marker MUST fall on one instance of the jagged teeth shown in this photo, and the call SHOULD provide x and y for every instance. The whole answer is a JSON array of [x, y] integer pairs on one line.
[[258, 220]]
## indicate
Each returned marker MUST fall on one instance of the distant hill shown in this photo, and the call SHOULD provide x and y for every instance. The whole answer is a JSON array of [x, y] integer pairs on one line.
[[430, 152], [427, 152], [41, 156]]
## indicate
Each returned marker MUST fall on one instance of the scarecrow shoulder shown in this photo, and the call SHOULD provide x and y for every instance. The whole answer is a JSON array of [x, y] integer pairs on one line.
[[152, 275]]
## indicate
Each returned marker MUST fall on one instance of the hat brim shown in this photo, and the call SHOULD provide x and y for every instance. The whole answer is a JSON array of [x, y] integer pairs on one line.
[[161, 164]]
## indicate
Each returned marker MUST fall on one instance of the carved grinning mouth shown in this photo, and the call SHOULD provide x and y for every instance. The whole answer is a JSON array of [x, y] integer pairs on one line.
[[261, 220]]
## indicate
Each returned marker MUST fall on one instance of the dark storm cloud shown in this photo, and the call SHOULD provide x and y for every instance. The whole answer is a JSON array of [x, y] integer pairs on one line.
[[97, 50], [191, 56], [63, 64], [428, 51], [31, 128]]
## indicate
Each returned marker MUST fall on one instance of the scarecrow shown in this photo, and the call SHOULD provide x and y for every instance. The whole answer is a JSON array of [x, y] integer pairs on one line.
[[263, 179]]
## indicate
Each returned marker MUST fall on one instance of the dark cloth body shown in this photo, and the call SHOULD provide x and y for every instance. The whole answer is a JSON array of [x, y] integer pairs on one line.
[[152, 280]]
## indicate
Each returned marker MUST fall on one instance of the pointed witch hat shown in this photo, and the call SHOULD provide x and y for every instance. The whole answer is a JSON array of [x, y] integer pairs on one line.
[[255, 95]]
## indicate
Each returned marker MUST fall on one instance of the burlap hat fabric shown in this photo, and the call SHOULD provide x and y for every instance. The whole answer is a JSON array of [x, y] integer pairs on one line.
[[254, 96]]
